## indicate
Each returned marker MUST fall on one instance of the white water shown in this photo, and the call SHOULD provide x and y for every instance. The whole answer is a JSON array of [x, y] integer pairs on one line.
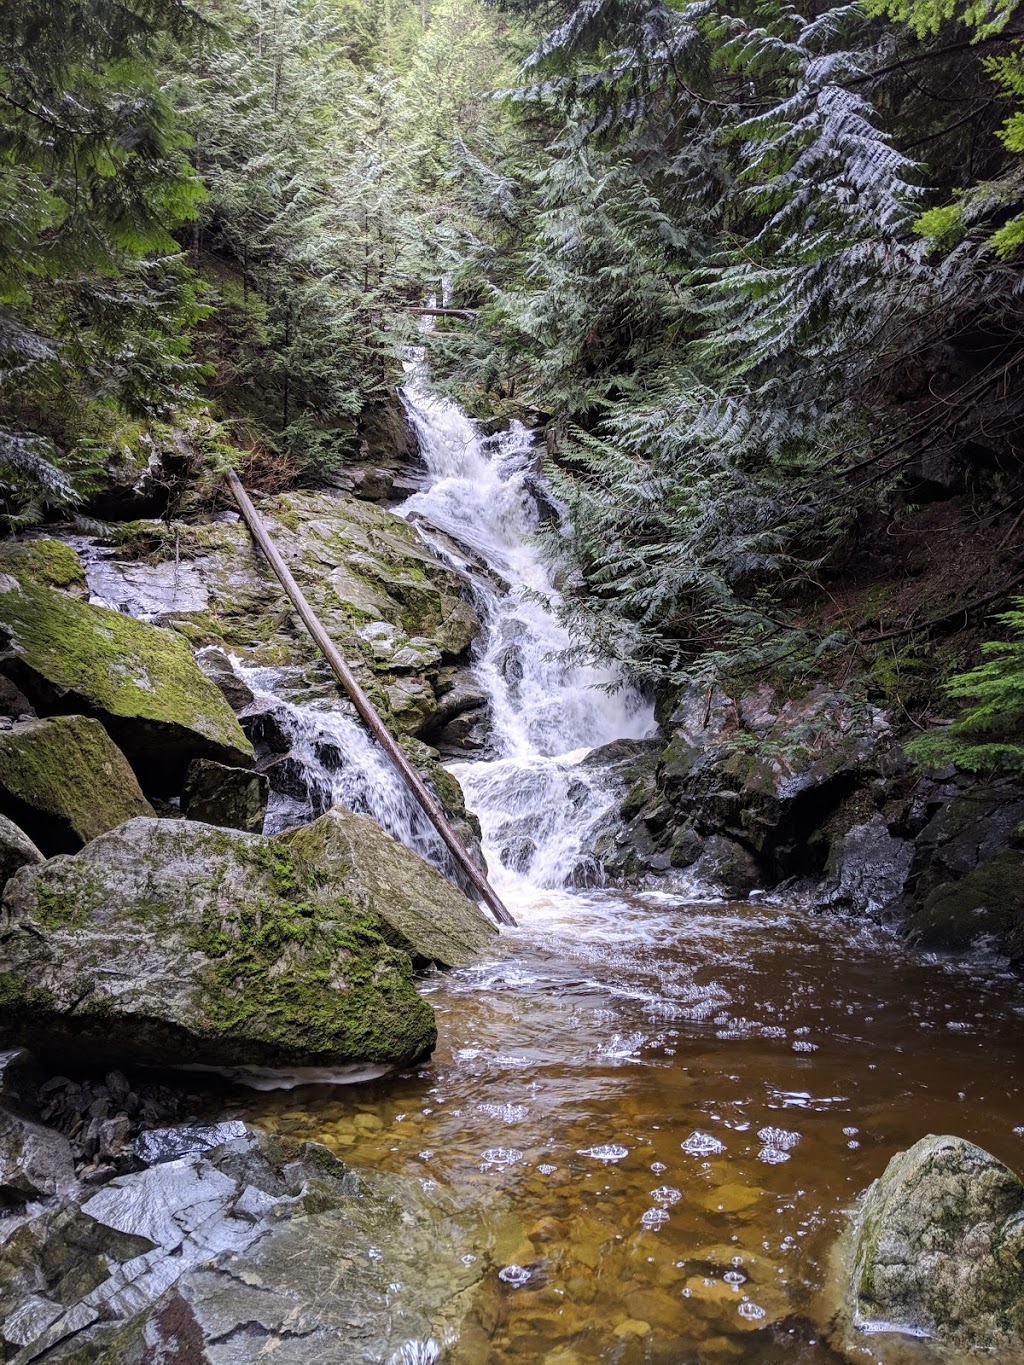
[[539, 808]]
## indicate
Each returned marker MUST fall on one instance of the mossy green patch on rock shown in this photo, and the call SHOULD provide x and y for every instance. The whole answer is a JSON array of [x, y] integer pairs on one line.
[[989, 900], [417, 909], [65, 781], [169, 942], [45, 561], [143, 681]]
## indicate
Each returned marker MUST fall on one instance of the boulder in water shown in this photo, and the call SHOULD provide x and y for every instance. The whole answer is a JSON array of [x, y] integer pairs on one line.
[[257, 1248], [65, 781], [868, 868], [159, 707], [729, 866], [939, 1248], [235, 798], [168, 942], [420, 912]]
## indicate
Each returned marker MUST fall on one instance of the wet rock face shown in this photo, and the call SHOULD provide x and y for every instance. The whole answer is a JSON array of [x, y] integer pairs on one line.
[[69, 657], [398, 615], [868, 868], [171, 942], [256, 1247], [235, 798], [939, 1248], [65, 781]]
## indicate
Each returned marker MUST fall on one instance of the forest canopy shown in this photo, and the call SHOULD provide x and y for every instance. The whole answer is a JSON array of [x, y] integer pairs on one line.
[[754, 268]]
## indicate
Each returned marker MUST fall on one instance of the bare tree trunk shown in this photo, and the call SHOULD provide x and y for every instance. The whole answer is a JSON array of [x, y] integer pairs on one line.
[[364, 706]]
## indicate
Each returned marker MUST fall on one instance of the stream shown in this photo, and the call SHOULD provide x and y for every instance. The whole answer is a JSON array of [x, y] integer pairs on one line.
[[656, 1106], [652, 1107]]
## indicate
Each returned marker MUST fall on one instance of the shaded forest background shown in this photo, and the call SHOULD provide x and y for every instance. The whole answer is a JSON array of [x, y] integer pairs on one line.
[[754, 268]]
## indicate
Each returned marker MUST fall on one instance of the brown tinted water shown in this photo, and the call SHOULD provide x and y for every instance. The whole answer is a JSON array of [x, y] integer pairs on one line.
[[659, 1111]]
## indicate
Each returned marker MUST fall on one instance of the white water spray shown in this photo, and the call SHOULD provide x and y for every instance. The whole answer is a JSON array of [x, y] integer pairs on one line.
[[538, 807]]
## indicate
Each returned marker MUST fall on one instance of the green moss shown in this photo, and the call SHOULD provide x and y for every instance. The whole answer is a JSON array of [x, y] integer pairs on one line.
[[988, 900], [69, 769], [21, 1000], [311, 975], [116, 664], [46, 561]]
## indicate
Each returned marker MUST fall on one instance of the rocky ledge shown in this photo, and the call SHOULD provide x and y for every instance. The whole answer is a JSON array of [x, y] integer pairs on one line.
[[224, 1244], [815, 795]]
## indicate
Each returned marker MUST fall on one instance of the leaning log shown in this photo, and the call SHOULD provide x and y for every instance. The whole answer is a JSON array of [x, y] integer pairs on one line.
[[365, 707]]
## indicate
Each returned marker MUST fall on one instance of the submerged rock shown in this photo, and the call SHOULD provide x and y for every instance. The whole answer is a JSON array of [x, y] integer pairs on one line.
[[939, 1248], [235, 798], [420, 912], [162, 711], [257, 1248], [65, 781], [170, 942]]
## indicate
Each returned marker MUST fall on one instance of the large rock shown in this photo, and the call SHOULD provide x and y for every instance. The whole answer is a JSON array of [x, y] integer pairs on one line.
[[65, 781], [16, 850], [397, 614], [868, 868], [939, 1248], [421, 913], [68, 656], [258, 1248], [988, 901], [233, 797], [171, 942], [35, 1162]]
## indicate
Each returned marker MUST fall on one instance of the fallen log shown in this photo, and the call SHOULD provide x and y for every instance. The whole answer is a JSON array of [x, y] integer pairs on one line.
[[365, 707]]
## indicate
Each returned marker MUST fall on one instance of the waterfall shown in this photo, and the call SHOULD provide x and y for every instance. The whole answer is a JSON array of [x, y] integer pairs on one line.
[[538, 807]]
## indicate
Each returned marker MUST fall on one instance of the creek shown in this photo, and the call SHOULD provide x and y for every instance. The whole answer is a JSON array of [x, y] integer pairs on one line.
[[654, 1107]]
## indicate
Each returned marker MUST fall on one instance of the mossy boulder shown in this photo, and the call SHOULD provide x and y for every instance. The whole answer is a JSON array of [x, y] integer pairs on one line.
[[64, 781], [45, 561], [69, 656], [989, 900], [420, 912], [938, 1248], [173, 942]]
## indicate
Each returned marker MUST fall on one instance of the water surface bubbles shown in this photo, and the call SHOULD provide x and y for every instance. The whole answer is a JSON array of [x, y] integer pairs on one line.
[[773, 1156], [782, 1138], [505, 1113], [702, 1144], [610, 1151], [515, 1275], [546, 1168], [750, 1311], [501, 1156], [654, 1218], [665, 1194], [735, 1278]]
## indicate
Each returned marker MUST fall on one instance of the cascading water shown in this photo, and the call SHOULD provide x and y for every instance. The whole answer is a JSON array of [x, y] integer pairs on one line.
[[537, 806]]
